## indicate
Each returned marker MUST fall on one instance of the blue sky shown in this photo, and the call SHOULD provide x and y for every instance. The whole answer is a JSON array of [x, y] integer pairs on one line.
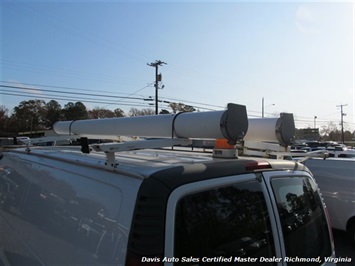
[[299, 56]]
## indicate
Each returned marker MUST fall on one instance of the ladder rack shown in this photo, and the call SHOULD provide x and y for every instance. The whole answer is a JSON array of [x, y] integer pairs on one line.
[[110, 148], [255, 136]]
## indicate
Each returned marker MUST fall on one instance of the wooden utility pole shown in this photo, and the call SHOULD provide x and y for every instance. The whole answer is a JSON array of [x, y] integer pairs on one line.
[[156, 64], [342, 121]]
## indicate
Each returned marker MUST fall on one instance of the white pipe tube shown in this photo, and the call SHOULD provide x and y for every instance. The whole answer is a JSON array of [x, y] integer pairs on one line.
[[280, 130], [231, 124]]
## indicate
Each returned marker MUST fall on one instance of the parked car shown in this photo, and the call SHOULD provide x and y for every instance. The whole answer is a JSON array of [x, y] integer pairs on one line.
[[336, 179]]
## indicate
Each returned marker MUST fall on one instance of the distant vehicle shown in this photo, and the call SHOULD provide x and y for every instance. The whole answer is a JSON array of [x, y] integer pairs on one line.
[[7, 142], [23, 138], [12, 142], [341, 152], [336, 179], [119, 204]]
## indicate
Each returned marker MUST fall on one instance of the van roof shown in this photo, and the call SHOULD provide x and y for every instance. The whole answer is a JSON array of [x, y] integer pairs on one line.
[[161, 171], [151, 162]]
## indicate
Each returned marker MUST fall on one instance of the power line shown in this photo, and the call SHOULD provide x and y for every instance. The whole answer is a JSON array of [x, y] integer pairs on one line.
[[74, 99], [197, 105], [73, 96], [167, 101], [192, 102], [129, 100], [148, 85], [17, 84], [76, 93]]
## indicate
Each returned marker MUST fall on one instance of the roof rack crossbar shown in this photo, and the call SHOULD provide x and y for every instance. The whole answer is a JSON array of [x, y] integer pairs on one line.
[[305, 156], [110, 148], [140, 144]]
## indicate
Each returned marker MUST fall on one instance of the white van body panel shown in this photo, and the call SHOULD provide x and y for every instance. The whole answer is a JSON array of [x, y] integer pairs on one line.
[[91, 213], [86, 188]]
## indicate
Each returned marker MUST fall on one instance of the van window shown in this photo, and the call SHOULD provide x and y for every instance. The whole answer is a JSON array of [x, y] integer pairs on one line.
[[226, 221], [302, 217]]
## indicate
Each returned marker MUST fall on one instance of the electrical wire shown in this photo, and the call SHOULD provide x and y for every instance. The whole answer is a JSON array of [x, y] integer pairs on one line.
[[129, 100], [73, 99], [66, 92]]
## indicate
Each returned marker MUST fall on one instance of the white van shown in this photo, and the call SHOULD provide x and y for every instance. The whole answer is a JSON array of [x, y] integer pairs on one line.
[[336, 179], [62, 207], [101, 205]]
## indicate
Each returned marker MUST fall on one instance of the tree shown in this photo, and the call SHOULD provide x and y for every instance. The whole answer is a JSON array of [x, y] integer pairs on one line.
[[75, 111], [30, 115], [54, 113], [180, 107], [326, 130], [164, 112], [3, 118], [187, 108], [100, 113], [3, 112], [136, 112], [11, 126], [119, 112]]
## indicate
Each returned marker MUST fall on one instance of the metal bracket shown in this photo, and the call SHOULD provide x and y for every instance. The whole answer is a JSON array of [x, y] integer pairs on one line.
[[110, 160]]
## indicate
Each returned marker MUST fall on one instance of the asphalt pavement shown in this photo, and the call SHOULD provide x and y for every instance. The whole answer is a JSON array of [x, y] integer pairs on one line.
[[17, 255], [343, 247]]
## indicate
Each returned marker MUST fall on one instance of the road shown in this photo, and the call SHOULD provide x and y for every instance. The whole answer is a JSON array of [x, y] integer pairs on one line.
[[343, 247], [20, 256]]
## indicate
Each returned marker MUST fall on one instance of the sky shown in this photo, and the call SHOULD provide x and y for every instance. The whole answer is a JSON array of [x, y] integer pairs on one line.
[[296, 55]]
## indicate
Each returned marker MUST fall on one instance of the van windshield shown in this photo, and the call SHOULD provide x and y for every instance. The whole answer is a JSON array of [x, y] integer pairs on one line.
[[230, 221], [302, 217]]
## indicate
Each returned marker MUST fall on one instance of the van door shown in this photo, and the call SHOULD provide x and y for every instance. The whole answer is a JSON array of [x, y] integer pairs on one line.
[[224, 220], [301, 215]]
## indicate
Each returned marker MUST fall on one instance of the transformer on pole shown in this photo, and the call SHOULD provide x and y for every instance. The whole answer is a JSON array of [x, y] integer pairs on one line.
[[156, 64], [342, 121]]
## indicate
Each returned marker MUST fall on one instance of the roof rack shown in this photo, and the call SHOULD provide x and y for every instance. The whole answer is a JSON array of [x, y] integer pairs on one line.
[[323, 154], [256, 136], [111, 148]]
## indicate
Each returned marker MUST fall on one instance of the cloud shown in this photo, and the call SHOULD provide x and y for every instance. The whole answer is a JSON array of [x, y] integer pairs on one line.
[[19, 87]]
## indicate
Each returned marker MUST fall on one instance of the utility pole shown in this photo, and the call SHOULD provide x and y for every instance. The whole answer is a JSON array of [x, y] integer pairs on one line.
[[263, 107], [342, 121], [156, 64]]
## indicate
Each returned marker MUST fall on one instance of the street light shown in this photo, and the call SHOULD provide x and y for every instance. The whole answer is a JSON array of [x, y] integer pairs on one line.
[[315, 117], [263, 107]]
